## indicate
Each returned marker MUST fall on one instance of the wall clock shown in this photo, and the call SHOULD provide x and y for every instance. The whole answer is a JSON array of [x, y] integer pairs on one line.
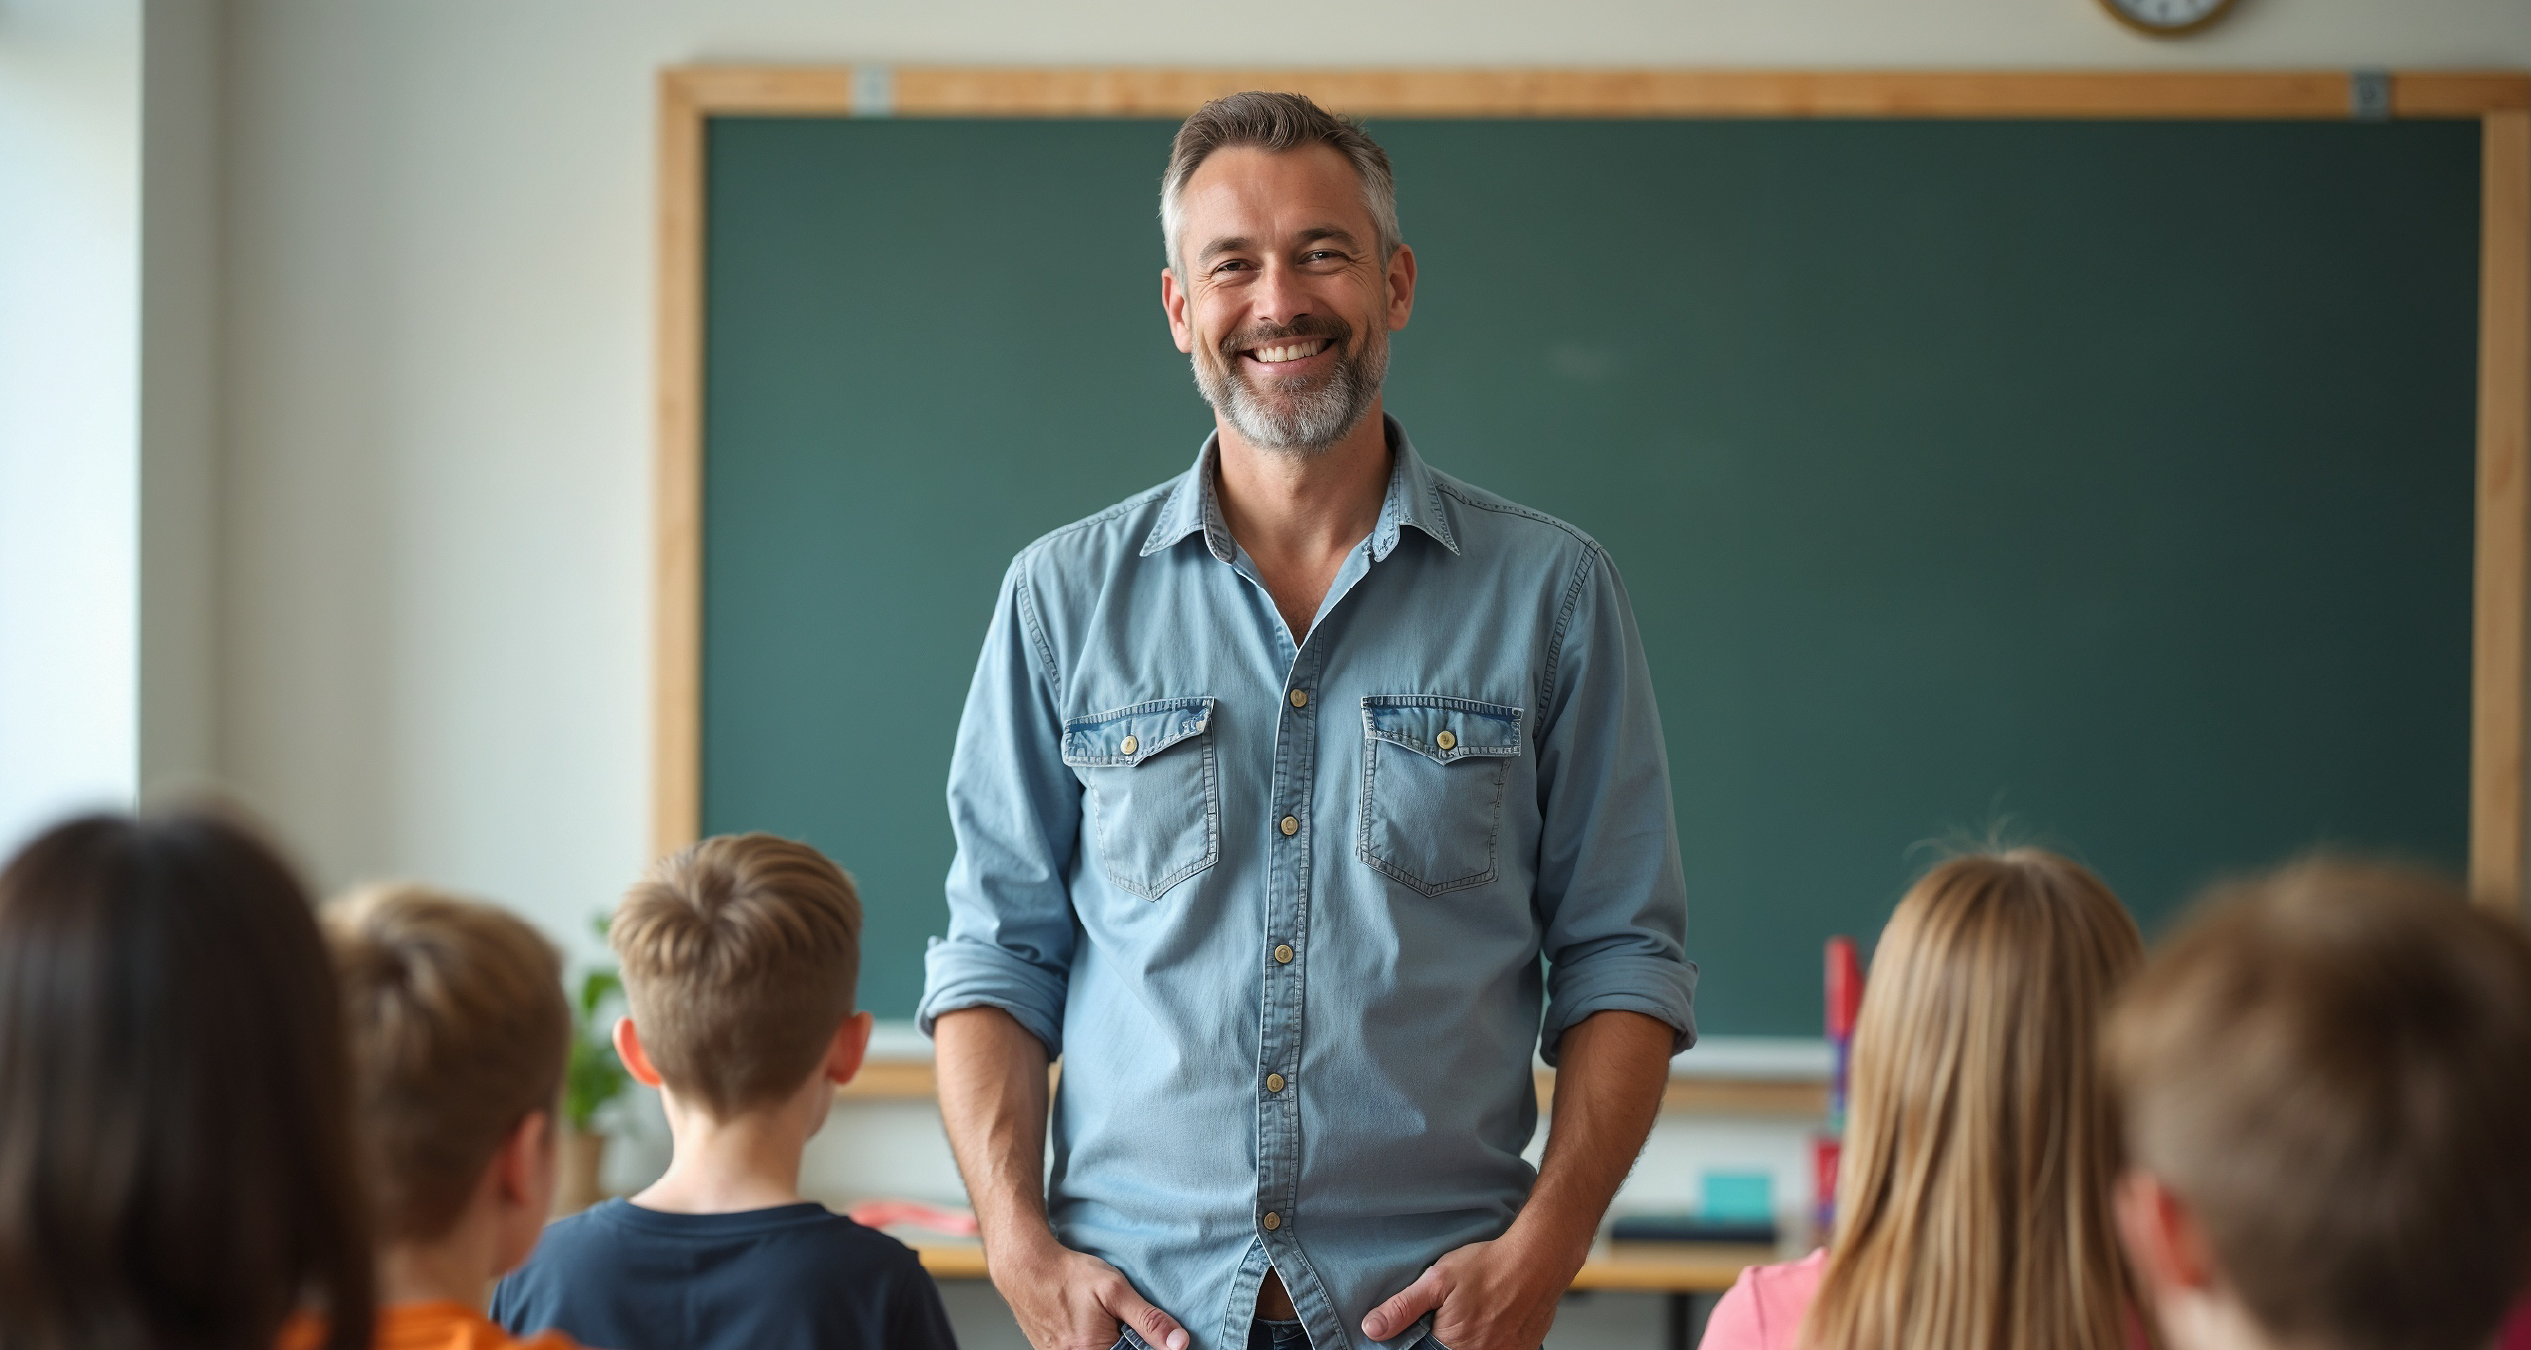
[[2168, 18]]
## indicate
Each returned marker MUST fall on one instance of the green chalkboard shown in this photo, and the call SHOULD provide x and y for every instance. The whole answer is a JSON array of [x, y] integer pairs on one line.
[[2107, 483]]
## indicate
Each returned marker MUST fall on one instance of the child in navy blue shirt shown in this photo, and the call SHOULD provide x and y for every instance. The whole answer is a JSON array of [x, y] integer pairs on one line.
[[739, 955]]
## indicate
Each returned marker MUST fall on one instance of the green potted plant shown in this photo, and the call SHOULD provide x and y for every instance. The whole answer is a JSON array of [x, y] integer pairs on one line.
[[593, 1078]]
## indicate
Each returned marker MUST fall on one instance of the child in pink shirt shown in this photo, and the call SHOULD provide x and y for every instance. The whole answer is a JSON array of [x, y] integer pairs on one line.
[[1763, 1310], [1973, 1052]]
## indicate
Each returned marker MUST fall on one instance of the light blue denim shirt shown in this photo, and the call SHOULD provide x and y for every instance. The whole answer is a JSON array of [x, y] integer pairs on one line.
[[1280, 908]]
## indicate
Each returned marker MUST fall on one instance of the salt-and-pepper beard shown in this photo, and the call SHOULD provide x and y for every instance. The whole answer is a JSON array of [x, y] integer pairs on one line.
[[1303, 420]]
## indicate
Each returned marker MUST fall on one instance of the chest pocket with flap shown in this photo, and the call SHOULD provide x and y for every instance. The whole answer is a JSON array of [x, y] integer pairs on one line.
[[1155, 800], [1432, 788]]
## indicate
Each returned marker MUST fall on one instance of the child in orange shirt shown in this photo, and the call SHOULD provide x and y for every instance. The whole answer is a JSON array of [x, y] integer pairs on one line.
[[458, 1033]]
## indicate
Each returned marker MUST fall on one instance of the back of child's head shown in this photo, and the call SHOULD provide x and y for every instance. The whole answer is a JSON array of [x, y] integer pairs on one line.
[[459, 1031], [740, 954], [176, 1158], [1974, 1188], [2331, 1067]]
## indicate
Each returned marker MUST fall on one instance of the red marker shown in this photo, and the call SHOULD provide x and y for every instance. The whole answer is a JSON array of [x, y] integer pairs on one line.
[[1845, 1000], [1845, 987]]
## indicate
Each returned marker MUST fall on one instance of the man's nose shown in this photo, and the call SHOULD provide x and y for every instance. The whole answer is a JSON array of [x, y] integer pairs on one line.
[[1279, 297]]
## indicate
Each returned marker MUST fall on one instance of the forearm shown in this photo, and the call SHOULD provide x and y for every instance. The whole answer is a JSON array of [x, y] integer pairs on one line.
[[992, 1076], [1611, 1072]]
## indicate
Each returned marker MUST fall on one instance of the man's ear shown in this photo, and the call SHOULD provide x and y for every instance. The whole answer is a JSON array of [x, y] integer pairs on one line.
[[628, 1048], [1173, 304], [2162, 1235], [1401, 285], [844, 1054]]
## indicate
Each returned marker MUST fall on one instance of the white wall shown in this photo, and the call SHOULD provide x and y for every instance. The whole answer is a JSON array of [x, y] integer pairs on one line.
[[179, 397], [108, 287], [70, 171]]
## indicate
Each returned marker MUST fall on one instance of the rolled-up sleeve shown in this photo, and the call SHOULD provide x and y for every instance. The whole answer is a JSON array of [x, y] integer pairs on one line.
[[1610, 890], [1016, 812]]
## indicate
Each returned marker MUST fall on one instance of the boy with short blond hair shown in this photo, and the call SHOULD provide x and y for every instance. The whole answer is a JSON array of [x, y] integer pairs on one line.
[[2325, 1085], [458, 1033], [740, 955]]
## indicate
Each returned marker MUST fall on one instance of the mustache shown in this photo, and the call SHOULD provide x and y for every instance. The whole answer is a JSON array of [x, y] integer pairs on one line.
[[1335, 330]]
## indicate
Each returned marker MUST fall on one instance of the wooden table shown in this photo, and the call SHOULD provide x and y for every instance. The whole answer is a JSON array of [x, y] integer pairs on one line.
[[1685, 1271]]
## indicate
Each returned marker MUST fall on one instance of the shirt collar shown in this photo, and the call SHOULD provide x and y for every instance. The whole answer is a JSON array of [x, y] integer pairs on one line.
[[1414, 498]]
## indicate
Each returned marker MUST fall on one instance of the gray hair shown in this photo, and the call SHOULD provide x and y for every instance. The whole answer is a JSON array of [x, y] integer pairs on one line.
[[1277, 122]]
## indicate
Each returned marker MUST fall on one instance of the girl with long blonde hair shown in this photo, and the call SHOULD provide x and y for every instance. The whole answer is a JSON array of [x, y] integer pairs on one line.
[[1973, 1208]]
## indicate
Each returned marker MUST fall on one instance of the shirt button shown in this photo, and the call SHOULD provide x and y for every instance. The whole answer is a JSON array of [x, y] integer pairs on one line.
[[1283, 954], [1130, 744], [1291, 826], [1273, 1221], [1300, 698], [1445, 740], [1274, 1082]]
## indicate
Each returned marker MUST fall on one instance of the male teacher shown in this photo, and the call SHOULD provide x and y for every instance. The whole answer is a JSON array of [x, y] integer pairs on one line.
[[1275, 784]]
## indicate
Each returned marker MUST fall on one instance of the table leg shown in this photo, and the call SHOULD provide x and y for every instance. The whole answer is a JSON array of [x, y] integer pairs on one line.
[[1685, 1319]]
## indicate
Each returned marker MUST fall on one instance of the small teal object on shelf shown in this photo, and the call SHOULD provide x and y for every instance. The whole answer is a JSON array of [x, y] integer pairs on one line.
[[1738, 1208], [1738, 1197]]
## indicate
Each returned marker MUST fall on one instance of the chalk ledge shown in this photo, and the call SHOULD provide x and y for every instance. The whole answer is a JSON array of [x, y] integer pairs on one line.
[[1773, 1076]]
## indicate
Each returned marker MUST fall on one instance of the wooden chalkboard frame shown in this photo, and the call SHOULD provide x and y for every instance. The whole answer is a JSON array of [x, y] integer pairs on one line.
[[2499, 100]]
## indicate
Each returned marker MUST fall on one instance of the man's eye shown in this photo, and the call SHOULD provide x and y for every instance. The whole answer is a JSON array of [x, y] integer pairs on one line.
[[1234, 265], [1321, 255]]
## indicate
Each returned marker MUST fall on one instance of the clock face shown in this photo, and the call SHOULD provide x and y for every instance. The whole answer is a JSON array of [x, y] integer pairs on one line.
[[2167, 18]]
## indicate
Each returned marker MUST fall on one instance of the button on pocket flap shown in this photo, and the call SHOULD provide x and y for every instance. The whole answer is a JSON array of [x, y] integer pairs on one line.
[[1442, 729], [1131, 735]]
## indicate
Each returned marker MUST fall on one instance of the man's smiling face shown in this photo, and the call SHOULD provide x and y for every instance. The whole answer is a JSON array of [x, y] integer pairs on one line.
[[1281, 296]]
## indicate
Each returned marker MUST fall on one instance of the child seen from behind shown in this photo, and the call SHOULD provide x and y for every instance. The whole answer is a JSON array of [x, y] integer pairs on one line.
[[176, 1156], [2325, 1083], [740, 955], [458, 1033], [1973, 1199]]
